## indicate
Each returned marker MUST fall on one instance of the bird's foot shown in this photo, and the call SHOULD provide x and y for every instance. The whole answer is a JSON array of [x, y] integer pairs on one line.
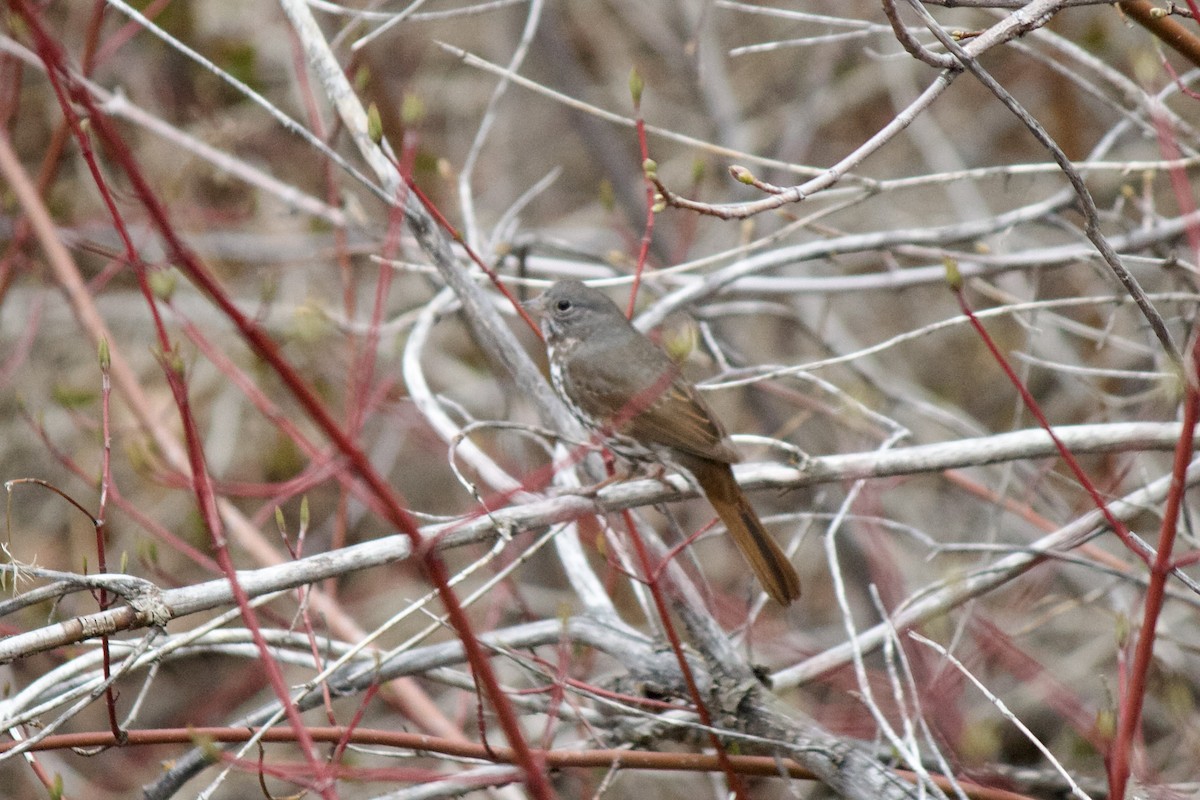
[[594, 489]]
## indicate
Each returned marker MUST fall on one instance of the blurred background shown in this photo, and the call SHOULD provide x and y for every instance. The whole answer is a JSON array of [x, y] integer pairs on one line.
[[542, 175]]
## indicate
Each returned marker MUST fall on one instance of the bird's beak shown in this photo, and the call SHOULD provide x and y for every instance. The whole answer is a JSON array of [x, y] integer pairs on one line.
[[536, 306]]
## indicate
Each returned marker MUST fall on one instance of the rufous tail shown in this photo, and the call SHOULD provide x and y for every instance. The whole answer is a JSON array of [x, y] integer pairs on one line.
[[772, 567]]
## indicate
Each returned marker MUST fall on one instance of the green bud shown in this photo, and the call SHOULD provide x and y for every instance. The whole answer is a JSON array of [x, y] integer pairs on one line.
[[680, 336], [69, 396], [162, 283], [374, 124], [953, 276], [362, 77], [608, 200], [148, 552], [412, 109], [207, 747], [1106, 723], [173, 361], [742, 174], [636, 86]]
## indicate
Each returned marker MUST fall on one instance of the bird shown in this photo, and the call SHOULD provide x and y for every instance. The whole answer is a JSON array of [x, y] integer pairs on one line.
[[619, 383]]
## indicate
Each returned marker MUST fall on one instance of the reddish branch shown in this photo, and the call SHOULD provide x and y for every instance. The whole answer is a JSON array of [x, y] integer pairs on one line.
[[1031, 405], [1133, 691], [1169, 31], [265, 347], [63, 85], [635, 88], [760, 766]]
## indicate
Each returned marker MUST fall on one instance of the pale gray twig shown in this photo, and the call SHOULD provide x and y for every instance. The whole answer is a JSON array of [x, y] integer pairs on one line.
[[937, 600], [1005, 712], [1090, 212], [1017, 445]]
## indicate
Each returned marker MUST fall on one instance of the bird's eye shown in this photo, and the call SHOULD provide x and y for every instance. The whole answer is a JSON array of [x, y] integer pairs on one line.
[[563, 305]]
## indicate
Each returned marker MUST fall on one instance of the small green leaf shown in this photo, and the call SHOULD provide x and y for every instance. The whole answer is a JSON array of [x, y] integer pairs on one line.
[[309, 323], [148, 552]]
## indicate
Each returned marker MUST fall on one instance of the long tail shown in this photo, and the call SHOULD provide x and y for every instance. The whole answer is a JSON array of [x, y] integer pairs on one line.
[[765, 557]]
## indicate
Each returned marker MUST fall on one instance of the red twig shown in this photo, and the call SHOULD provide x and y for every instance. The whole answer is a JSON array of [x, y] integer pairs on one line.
[[205, 495], [462, 242], [1194, 8], [345, 740], [664, 617], [635, 86], [1133, 687], [1133, 691], [18, 354], [63, 84], [1032, 406], [117, 499], [102, 529], [765, 766], [671, 553], [125, 33], [1133, 694], [1063, 699]]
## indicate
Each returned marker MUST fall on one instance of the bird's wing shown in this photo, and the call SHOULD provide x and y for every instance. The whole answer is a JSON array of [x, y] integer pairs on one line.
[[666, 410], [681, 419]]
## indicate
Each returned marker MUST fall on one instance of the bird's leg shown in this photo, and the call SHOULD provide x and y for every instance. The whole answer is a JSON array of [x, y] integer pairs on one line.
[[664, 467], [614, 476]]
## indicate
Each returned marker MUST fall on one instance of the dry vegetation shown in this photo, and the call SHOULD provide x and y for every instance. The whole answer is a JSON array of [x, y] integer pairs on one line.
[[279, 374]]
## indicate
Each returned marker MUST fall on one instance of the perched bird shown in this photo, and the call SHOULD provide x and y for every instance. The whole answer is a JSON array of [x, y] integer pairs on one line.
[[619, 383]]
